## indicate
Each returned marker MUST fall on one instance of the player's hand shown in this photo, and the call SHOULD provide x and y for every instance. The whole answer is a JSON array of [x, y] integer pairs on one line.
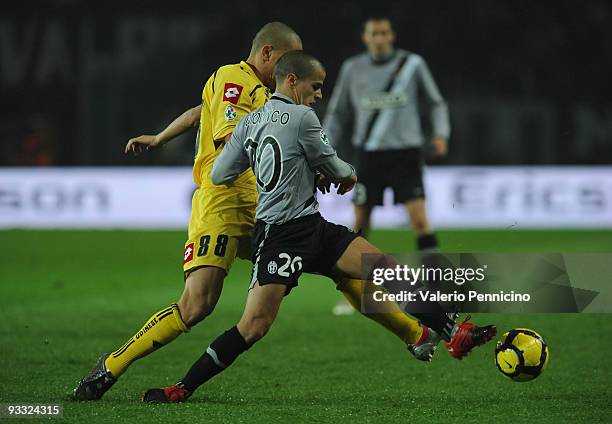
[[324, 184], [346, 185], [142, 143], [440, 146]]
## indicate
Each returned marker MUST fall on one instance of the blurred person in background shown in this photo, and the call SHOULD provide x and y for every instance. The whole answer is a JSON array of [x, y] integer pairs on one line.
[[375, 104]]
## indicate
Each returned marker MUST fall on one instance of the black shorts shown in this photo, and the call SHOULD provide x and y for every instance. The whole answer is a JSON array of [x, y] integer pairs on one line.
[[280, 253], [402, 170]]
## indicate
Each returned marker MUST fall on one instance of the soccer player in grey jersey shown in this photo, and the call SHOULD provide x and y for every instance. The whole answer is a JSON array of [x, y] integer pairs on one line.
[[375, 105], [286, 147]]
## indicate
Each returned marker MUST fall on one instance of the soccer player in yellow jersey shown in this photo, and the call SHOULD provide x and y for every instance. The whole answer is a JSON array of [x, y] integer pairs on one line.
[[222, 219]]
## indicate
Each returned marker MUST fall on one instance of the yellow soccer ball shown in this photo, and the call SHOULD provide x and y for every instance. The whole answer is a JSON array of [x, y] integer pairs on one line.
[[521, 354]]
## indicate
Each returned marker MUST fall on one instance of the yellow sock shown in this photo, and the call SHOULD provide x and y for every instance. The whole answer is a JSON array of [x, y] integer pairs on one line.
[[393, 319], [163, 327]]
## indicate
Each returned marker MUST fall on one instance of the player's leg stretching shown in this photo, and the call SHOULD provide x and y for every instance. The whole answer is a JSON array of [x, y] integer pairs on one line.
[[209, 253], [427, 243], [393, 318], [407, 185], [459, 338], [262, 306], [202, 290], [348, 304]]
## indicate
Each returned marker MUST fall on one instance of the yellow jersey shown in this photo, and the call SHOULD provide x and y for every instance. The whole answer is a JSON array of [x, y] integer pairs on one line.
[[231, 93]]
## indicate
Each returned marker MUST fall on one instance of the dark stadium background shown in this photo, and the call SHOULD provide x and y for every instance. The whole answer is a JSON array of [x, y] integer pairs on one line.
[[84, 259], [527, 82]]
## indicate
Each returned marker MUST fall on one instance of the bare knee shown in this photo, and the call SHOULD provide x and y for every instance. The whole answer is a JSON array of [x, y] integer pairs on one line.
[[194, 308], [254, 329], [200, 296]]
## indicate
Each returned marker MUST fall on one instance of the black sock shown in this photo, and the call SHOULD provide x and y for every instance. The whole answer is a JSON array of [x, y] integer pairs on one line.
[[428, 249], [427, 243], [218, 356], [441, 322]]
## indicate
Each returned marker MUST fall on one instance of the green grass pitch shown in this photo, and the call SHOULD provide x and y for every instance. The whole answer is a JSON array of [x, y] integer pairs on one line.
[[68, 296]]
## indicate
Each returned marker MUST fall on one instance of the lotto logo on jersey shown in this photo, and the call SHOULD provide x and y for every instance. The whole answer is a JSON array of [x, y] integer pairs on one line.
[[231, 92], [188, 254]]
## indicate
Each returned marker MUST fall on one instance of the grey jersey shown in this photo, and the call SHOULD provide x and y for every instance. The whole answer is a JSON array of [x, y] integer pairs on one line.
[[379, 100], [285, 146]]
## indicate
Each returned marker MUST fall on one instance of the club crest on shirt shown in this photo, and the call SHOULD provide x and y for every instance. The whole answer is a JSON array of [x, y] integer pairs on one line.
[[324, 138], [272, 267], [230, 113]]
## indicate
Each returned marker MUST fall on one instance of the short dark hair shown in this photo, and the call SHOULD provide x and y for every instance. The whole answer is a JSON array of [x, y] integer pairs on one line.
[[377, 18], [295, 62], [276, 34]]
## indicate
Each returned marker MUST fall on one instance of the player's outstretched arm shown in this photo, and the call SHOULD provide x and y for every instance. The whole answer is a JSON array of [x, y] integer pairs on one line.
[[188, 119]]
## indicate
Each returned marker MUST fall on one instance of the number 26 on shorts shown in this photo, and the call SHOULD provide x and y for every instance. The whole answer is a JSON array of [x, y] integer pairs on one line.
[[295, 264]]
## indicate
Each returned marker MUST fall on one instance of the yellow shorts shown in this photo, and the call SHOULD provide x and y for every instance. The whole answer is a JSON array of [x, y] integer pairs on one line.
[[220, 227]]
